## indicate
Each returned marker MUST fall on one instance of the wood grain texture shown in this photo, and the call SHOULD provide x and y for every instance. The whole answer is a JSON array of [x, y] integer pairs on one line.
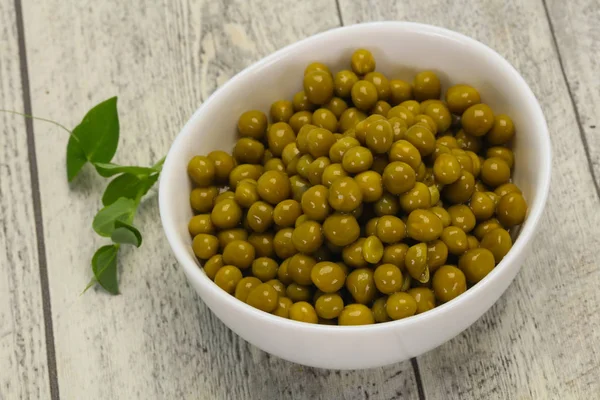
[[577, 34], [157, 339], [540, 340], [23, 369]]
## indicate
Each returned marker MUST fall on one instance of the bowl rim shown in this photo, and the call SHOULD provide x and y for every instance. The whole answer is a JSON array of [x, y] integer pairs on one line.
[[527, 231]]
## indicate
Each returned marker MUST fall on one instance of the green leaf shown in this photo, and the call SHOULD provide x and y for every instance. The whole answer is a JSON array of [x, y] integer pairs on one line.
[[108, 169], [125, 233], [128, 186], [95, 139], [104, 222], [104, 265]]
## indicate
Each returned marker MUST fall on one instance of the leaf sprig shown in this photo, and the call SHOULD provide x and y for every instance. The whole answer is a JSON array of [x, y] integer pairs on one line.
[[94, 141]]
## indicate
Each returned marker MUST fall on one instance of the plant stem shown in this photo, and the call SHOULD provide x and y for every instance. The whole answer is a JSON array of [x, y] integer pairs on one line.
[[38, 118]]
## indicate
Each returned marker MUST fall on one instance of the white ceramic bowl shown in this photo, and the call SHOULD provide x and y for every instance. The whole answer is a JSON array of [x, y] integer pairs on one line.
[[400, 49]]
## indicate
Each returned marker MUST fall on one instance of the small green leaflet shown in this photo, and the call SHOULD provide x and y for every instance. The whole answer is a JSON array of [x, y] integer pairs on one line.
[[125, 233], [95, 139], [128, 186], [104, 266], [108, 169], [104, 222]]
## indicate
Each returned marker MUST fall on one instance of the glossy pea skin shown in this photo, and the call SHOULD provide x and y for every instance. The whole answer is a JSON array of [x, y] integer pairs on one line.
[[252, 124], [386, 205], [379, 311], [337, 106], [404, 151], [283, 307], [495, 172], [339, 148], [353, 254], [260, 216], [476, 264], [327, 276], [460, 97], [362, 62], [424, 297], [426, 85], [448, 283], [205, 246], [382, 84], [461, 190], [498, 241], [511, 209], [264, 297], [223, 163], [341, 229], [304, 312], [437, 254], [356, 314], [343, 82], [390, 229], [228, 277], [364, 95], [400, 305], [283, 245], [419, 197], [503, 130], [264, 268], [307, 237], [318, 86], [201, 224], [201, 170], [286, 212], [415, 262], [478, 119], [315, 203], [388, 278], [370, 184], [344, 195], [462, 217], [239, 253], [329, 305], [399, 91], [379, 136], [361, 285], [331, 173], [482, 206], [398, 177], [403, 114], [244, 286], [455, 239], [395, 254], [357, 159], [502, 152], [226, 214]]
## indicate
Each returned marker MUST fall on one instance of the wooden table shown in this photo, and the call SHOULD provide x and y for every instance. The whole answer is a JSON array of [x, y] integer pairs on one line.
[[157, 339]]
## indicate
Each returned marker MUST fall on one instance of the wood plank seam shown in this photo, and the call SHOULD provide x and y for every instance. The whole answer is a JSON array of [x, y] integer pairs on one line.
[[572, 99], [37, 208]]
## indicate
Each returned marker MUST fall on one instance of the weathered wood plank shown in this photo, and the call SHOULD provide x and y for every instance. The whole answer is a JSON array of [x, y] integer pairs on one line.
[[23, 366], [577, 34], [538, 340], [156, 340]]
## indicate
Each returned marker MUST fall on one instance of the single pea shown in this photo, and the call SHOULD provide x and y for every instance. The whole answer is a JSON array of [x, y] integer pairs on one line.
[[286, 213], [356, 314], [418, 197], [281, 111], [472, 241], [345, 194], [201, 170], [298, 186], [275, 164], [350, 118], [299, 120], [400, 305], [213, 265], [283, 307], [362, 62], [290, 157], [434, 194], [252, 124], [332, 173], [442, 214], [404, 151], [246, 193], [303, 312], [462, 217], [381, 108], [307, 237], [357, 159], [273, 187], [226, 214], [482, 206], [507, 188], [320, 141], [283, 274], [353, 254], [302, 138], [395, 254], [440, 115], [387, 205], [511, 209], [324, 118], [278, 286], [239, 253], [379, 136], [361, 285], [280, 134], [427, 122], [461, 190], [364, 95], [437, 254], [298, 292], [379, 311], [502, 131], [370, 184], [468, 142], [248, 151], [382, 84], [449, 141], [390, 229], [415, 262], [282, 244], [244, 171], [478, 119], [448, 283], [316, 169], [476, 163], [202, 199], [201, 224], [318, 86], [341, 229], [315, 203], [329, 305], [328, 276], [223, 163], [400, 91], [455, 239], [227, 236], [495, 172], [244, 286], [302, 167], [337, 106], [424, 297], [343, 82], [498, 241], [398, 177], [300, 267], [388, 278], [411, 105], [426, 85], [340, 147], [399, 129], [422, 138], [461, 97], [371, 227], [205, 246], [316, 66], [260, 216], [502, 152], [485, 227], [301, 102], [476, 264], [264, 268], [372, 249], [403, 114], [262, 243], [228, 277]]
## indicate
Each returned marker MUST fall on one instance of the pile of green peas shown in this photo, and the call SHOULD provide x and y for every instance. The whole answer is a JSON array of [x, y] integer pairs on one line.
[[363, 199]]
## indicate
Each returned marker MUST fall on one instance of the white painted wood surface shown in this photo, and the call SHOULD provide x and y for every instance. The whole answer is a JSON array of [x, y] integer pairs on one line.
[[157, 340], [23, 367]]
